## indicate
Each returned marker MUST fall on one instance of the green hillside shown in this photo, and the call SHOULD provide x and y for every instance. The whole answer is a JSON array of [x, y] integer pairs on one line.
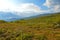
[[39, 28]]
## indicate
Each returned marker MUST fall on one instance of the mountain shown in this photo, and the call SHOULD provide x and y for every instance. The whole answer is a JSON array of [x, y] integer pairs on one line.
[[37, 28], [53, 17], [8, 16], [11, 16]]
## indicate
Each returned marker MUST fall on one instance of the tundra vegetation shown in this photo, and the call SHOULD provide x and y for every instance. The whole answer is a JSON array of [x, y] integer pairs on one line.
[[39, 28]]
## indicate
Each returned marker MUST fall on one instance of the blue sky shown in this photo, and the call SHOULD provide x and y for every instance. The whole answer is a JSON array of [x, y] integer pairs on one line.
[[37, 2], [28, 6]]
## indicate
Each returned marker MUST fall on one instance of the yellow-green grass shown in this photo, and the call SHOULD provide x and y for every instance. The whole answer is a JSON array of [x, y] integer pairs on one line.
[[40, 28]]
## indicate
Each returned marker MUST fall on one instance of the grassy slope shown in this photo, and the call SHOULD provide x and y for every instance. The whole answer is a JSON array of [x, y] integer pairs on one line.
[[40, 28]]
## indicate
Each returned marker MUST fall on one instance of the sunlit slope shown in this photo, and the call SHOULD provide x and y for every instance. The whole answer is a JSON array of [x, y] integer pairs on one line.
[[37, 28], [41, 21]]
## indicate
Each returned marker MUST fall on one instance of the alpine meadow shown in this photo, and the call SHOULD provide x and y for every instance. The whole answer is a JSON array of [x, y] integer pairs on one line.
[[29, 19], [39, 28]]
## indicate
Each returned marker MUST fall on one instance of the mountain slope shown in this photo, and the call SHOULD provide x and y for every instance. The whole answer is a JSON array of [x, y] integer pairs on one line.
[[11, 16], [43, 18], [38, 28]]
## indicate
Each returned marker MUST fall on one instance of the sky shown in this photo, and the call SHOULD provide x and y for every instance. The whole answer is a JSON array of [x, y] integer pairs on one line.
[[30, 6]]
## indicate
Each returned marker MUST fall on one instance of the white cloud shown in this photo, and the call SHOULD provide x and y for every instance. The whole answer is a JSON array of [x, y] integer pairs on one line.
[[23, 10], [53, 5], [27, 7], [57, 8], [47, 3], [6, 5]]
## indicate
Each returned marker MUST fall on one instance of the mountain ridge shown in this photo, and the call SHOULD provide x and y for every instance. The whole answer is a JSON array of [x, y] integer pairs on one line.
[[9, 16]]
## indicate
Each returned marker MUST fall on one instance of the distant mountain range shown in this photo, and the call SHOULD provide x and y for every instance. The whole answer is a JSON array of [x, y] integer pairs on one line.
[[10, 16], [7, 16]]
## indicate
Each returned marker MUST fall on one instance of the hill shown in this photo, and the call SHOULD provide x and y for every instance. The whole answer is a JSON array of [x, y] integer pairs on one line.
[[38, 28]]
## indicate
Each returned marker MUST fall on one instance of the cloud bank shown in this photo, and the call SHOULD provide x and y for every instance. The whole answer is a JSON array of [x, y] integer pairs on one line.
[[6, 6], [53, 5], [27, 9]]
